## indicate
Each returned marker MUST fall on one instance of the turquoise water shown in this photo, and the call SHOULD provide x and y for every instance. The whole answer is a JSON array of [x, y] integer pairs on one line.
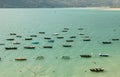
[[100, 25]]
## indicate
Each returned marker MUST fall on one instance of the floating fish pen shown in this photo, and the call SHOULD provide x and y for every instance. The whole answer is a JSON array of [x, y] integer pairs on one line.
[[16, 43], [86, 56], [20, 59], [51, 41], [66, 57], [115, 39], [41, 32], [69, 40], [96, 69], [107, 42], [103, 55], [80, 28], [10, 39], [40, 58], [47, 37], [35, 42], [28, 38], [47, 46], [11, 48], [72, 36], [60, 37], [67, 45], [33, 35], [18, 36], [86, 39], [12, 33], [29, 47]]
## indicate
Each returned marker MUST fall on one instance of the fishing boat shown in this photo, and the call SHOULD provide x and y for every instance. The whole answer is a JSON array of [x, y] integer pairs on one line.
[[47, 37], [96, 69], [115, 39], [69, 40], [47, 46], [66, 57], [29, 47], [56, 34], [33, 35], [51, 41], [12, 33], [16, 43], [20, 59], [41, 32], [72, 36], [10, 39], [60, 37], [28, 38], [103, 55], [35, 42], [40, 58], [86, 39], [86, 55], [66, 45], [11, 48], [107, 42], [18, 36]]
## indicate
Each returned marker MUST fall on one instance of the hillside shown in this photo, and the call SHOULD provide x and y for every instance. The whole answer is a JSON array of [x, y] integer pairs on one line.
[[57, 3]]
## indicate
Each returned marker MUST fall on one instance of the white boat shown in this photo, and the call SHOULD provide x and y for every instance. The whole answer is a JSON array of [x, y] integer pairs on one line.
[[103, 55]]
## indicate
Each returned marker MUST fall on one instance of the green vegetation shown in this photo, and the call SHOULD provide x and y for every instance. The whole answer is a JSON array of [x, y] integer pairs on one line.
[[58, 3]]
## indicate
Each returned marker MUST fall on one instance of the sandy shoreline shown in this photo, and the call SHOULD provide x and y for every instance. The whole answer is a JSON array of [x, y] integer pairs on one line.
[[105, 8]]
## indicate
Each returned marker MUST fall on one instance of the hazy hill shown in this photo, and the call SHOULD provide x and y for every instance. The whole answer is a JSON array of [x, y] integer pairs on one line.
[[58, 3]]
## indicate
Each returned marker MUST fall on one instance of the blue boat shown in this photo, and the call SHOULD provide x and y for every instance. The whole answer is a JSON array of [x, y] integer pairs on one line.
[[35, 42]]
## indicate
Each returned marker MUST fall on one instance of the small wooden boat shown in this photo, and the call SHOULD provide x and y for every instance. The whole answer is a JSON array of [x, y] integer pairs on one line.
[[33, 35], [80, 28], [56, 34], [66, 57], [20, 59], [60, 37], [66, 28], [16, 43], [72, 36], [67, 45], [41, 32], [47, 46], [29, 47], [40, 58], [35, 42], [51, 41], [12, 33], [81, 34], [86, 39], [103, 55], [47, 37], [69, 40], [11, 48], [28, 38], [107, 42], [86, 55], [18, 36], [64, 31], [96, 69], [115, 39], [10, 39]]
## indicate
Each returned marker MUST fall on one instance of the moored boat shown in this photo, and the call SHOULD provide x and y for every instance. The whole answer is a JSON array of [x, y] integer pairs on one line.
[[115, 39], [69, 40], [28, 38], [10, 39], [12, 33], [20, 59], [35, 42], [29, 47], [103, 55], [66, 45], [66, 57], [60, 37], [33, 35], [86, 39], [72, 36], [11, 48], [47, 46], [86, 55], [107, 42], [41, 32], [96, 69]]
